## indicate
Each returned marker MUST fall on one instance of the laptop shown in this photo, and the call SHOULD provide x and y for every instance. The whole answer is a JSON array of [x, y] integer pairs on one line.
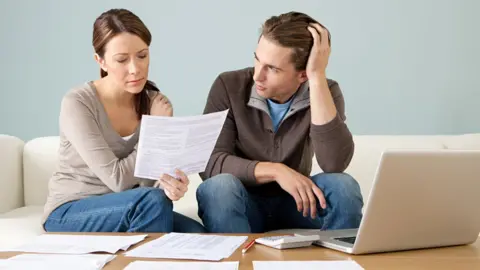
[[419, 199]]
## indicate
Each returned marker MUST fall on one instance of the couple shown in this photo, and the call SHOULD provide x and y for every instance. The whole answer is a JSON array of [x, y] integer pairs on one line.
[[282, 111]]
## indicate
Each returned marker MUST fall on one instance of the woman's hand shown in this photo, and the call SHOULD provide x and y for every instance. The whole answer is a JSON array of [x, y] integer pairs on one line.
[[175, 188], [161, 106]]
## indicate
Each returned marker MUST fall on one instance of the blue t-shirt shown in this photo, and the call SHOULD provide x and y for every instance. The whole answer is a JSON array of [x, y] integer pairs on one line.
[[278, 111]]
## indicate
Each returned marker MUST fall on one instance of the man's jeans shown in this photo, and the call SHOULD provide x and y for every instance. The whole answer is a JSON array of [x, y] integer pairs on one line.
[[225, 206], [143, 209]]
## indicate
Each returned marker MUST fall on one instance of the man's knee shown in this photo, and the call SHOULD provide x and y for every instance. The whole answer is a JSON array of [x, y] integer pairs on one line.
[[340, 183], [340, 189], [220, 188]]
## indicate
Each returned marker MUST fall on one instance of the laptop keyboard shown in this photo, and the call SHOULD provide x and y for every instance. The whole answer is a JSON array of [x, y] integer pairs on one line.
[[350, 240]]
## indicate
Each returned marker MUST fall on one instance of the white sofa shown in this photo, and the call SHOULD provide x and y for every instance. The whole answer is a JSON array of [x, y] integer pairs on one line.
[[25, 168]]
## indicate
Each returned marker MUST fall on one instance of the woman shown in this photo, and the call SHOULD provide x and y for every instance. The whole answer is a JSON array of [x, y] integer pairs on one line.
[[94, 189]]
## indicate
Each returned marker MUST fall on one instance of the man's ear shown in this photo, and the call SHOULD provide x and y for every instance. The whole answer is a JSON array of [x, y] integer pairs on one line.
[[100, 61], [302, 76]]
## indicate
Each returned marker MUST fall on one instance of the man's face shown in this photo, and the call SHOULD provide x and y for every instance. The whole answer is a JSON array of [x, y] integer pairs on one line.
[[275, 75]]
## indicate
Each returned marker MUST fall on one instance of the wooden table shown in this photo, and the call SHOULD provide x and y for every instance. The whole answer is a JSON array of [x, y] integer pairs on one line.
[[460, 257]]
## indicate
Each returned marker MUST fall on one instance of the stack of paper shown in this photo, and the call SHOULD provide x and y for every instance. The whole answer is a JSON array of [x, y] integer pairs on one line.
[[306, 265], [55, 261], [78, 244], [152, 265], [189, 246]]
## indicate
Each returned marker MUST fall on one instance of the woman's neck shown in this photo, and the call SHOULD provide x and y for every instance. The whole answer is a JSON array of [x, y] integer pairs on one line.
[[112, 94]]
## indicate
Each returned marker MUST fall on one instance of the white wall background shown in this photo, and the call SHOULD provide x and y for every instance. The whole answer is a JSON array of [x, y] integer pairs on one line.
[[405, 67]]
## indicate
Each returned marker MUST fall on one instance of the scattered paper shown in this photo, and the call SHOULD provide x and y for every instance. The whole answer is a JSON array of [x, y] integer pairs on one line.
[[306, 265], [78, 244], [152, 265], [169, 143], [55, 261], [189, 246]]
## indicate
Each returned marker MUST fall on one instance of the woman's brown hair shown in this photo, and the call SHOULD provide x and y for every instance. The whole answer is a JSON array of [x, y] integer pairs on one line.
[[108, 25]]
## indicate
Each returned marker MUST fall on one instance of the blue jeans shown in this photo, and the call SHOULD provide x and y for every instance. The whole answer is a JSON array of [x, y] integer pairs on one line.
[[226, 206], [144, 209]]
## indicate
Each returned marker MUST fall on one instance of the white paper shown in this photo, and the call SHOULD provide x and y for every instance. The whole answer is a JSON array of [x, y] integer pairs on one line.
[[78, 244], [189, 246], [55, 261], [169, 143], [152, 265], [306, 265]]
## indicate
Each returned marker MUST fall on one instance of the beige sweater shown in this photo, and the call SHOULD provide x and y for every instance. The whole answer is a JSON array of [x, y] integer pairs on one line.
[[93, 158]]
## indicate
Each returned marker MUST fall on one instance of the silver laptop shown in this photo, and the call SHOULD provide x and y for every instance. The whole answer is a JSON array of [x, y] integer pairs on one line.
[[420, 199]]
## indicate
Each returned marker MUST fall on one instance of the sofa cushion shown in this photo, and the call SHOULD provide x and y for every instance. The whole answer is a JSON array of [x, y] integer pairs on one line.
[[20, 226], [39, 163], [188, 204], [463, 142]]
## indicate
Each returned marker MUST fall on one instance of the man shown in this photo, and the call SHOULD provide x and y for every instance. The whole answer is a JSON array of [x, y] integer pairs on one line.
[[281, 112]]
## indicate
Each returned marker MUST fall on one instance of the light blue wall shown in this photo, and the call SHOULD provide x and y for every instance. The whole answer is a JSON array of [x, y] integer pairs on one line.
[[406, 67]]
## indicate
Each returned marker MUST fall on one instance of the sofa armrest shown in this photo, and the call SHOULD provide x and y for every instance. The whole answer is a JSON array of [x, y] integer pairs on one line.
[[11, 176], [188, 205]]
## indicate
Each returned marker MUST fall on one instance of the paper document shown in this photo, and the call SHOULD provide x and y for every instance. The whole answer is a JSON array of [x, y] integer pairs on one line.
[[169, 143], [306, 265], [78, 244], [152, 265], [55, 261], [189, 246]]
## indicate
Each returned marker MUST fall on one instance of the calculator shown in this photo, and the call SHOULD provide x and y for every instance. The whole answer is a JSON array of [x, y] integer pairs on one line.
[[288, 241]]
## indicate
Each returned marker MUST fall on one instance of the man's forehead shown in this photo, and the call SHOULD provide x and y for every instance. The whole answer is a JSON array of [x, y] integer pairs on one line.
[[271, 53]]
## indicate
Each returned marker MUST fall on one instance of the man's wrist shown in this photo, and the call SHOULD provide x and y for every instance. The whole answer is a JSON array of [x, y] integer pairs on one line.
[[323, 109], [266, 172], [317, 78]]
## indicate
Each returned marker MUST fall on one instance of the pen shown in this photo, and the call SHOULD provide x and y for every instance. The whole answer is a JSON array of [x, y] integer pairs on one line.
[[247, 246]]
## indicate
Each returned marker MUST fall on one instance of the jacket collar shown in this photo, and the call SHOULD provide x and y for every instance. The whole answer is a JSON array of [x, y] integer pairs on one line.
[[301, 100]]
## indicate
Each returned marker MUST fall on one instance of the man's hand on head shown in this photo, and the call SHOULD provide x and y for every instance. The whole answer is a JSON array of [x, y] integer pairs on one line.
[[320, 52], [322, 104]]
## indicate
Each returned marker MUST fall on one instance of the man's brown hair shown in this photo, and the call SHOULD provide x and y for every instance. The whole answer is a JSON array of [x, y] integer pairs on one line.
[[290, 30]]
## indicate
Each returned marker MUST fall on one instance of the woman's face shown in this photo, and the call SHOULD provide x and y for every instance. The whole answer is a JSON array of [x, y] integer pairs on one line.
[[126, 60]]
